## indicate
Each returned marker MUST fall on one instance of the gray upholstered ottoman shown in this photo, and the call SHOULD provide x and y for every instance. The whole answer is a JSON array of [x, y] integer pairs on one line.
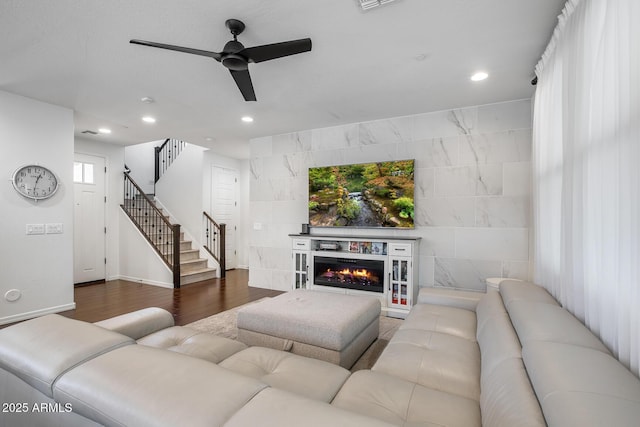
[[337, 328]]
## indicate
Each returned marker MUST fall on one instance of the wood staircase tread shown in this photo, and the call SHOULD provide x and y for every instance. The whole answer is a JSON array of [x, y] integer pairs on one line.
[[193, 261], [194, 272], [183, 251]]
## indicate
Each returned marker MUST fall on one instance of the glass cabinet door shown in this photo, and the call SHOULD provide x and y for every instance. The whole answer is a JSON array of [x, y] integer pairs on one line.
[[400, 288], [300, 270]]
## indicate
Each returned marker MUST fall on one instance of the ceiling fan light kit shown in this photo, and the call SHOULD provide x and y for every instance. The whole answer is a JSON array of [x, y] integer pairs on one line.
[[236, 58]]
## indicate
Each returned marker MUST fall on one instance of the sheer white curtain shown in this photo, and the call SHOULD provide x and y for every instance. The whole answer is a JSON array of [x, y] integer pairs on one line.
[[587, 170]]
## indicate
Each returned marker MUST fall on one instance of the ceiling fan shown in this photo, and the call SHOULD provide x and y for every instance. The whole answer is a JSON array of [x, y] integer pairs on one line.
[[236, 57]]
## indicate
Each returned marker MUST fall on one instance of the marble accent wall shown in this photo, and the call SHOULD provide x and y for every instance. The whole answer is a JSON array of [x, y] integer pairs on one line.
[[472, 194]]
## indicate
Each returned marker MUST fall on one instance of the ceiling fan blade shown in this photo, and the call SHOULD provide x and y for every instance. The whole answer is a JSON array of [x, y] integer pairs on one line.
[[215, 55], [243, 80], [275, 50]]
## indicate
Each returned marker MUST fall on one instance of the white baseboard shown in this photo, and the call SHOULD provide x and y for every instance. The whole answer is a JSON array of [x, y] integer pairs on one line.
[[36, 313], [146, 281]]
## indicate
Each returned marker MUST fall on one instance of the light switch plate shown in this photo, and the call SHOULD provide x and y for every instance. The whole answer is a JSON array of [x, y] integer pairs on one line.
[[54, 228], [35, 229]]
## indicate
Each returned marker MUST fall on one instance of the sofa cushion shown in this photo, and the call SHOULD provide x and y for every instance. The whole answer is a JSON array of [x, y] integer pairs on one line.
[[143, 386], [507, 398], [496, 337], [140, 323], [513, 290], [273, 407], [405, 403], [536, 321], [440, 318], [193, 343], [489, 306], [435, 360], [40, 350], [579, 386], [467, 300], [304, 376]]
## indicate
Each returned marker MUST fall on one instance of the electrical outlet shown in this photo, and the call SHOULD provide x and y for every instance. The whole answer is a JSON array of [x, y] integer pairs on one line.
[[35, 229]]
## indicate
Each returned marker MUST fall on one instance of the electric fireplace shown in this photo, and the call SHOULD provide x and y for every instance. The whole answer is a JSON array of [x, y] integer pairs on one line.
[[349, 273]]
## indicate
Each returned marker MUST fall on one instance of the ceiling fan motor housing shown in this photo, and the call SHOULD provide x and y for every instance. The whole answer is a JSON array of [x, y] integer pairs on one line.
[[231, 60], [234, 62]]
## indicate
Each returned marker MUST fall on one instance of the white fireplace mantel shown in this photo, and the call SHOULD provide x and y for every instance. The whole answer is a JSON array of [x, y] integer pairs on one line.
[[398, 255]]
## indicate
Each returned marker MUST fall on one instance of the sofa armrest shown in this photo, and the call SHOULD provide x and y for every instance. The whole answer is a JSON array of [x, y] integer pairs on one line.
[[138, 324], [467, 300]]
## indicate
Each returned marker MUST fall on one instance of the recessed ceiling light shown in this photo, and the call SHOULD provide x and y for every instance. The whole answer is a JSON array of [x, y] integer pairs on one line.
[[104, 130], [479, 76], [148, 119], [247, 119], [147, 100]]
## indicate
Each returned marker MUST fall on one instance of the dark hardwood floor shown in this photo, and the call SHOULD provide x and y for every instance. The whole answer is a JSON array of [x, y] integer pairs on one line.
[[187, 304]]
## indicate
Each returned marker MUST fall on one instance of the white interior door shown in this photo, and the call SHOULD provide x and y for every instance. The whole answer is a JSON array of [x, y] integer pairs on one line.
[[224, 206], [88, 218]]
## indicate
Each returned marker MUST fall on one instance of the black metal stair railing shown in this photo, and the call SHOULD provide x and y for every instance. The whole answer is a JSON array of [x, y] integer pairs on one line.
[[166, 154], [215, 241], [154, 225]]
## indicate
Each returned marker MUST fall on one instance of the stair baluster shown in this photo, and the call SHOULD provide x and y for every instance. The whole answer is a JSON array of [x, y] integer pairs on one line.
[[166, 154], [215, 241]]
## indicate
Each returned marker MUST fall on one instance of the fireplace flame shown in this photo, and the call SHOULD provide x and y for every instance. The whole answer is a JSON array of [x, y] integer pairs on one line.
[[362, 272]]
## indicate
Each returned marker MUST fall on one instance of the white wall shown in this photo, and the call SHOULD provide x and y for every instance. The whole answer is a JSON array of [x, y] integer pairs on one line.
[[472, 195], [139, 262], [140, 158], [179, 190], [39, 266]]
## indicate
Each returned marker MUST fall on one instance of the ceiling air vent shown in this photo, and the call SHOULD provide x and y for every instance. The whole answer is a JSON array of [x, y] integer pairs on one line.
[[90, 132], [369, 4]]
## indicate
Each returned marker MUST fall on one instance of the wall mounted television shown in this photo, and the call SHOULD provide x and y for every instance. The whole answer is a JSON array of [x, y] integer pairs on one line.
[[365, 195]]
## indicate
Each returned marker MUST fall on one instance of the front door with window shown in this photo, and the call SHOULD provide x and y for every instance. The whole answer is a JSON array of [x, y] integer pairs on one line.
[[88, 219]]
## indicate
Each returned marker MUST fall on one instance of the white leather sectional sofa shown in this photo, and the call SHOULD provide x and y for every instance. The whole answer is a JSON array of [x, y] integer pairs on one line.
[[513, 358]]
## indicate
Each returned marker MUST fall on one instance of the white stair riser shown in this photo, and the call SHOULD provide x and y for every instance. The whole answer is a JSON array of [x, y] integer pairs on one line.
[[187, 256], [193, 266], [199, 277]]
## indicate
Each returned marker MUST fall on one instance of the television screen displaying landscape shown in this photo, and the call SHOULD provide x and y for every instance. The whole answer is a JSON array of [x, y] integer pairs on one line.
[[362, 195]]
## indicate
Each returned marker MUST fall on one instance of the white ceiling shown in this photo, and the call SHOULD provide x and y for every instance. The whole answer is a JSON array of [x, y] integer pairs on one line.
[[407, 57]]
